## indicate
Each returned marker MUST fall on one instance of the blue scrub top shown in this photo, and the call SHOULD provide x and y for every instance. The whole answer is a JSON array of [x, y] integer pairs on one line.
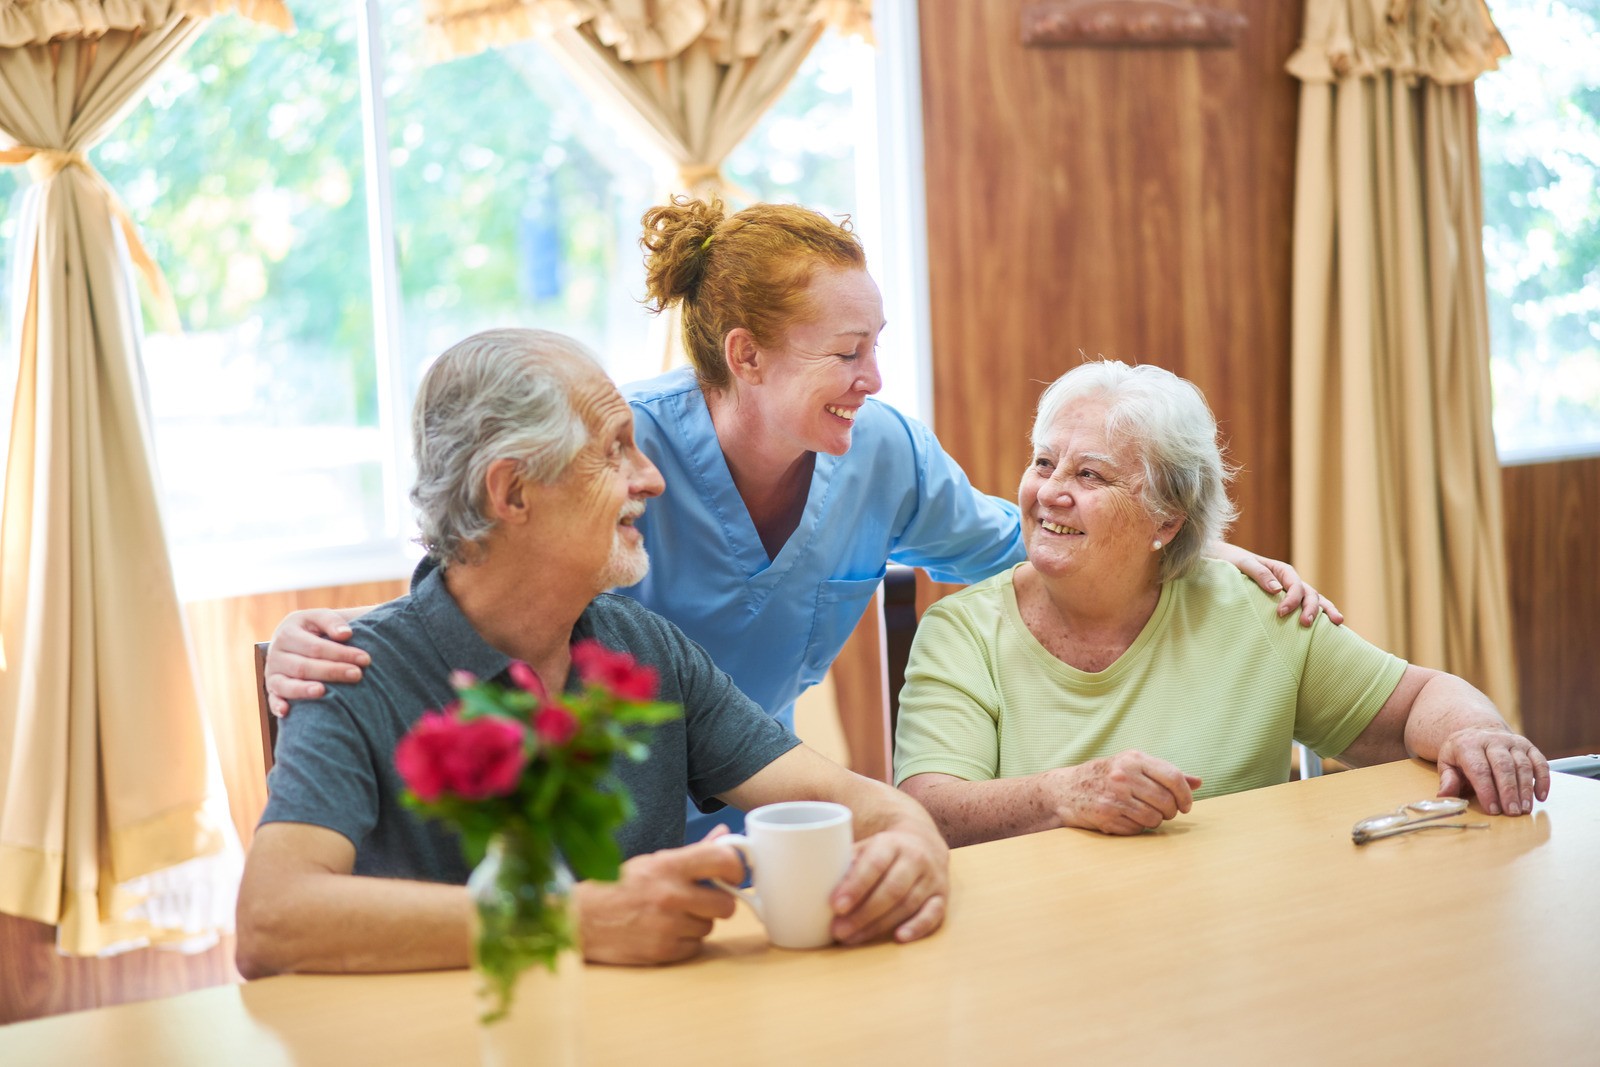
[[776, 625]]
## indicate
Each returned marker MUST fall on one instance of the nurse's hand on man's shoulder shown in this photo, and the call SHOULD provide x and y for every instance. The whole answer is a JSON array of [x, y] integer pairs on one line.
[[308, 650]]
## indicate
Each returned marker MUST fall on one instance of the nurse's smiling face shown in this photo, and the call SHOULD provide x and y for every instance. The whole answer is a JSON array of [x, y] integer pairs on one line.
[[812, 385]]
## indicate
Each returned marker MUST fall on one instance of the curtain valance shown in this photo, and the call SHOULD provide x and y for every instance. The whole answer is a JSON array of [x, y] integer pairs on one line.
[[1450, 42], [640, 31], [26, 22]]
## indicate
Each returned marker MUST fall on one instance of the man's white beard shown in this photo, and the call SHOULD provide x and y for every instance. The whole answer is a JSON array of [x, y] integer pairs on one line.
[[628, 564]]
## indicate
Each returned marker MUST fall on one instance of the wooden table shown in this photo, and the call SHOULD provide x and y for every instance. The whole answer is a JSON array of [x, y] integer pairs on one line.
[[1250, 931]]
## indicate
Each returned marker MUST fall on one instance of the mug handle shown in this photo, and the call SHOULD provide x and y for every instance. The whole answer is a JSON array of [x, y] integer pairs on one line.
[[740, 845]]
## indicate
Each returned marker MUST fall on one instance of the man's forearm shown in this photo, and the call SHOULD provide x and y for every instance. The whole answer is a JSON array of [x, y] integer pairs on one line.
[[877, 807], [337, 923]]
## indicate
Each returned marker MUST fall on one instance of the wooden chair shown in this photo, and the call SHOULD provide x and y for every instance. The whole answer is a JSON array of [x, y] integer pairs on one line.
[[899, 606], [269, 721]]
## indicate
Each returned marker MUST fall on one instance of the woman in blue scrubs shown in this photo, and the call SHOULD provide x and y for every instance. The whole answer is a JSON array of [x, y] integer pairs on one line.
[[789, 488]]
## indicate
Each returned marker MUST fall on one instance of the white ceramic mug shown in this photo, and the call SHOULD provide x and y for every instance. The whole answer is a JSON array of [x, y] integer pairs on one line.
[[797, 853]]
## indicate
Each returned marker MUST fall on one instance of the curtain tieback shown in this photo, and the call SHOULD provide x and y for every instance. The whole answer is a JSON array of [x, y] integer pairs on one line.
[[45, 163], [694, 176], [705, 180]]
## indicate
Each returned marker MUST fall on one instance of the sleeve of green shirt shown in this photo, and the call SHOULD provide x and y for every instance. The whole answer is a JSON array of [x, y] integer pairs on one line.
[[1344, 682]]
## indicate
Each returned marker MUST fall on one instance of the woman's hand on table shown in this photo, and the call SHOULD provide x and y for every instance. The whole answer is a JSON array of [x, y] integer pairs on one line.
[[1128, 793], [1504, 770]]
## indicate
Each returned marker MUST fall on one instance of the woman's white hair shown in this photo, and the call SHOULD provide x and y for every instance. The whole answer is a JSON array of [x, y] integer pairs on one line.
[[1166, 422], [498, 394]]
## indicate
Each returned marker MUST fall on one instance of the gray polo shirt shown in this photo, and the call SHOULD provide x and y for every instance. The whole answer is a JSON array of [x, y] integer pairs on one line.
[[335, 756]]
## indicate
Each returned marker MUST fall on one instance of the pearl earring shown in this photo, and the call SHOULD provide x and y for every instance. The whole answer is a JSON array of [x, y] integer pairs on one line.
[[1156, 545]]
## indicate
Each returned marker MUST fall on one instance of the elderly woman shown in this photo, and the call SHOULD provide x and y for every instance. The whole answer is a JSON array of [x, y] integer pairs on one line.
[[788, 486], [1118, 674]]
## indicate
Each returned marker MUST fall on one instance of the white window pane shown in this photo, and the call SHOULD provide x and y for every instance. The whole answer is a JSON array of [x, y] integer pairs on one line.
[[1539, 138], [9, 203], [516, 201], [244, 171], [803, 150], [514, 205]]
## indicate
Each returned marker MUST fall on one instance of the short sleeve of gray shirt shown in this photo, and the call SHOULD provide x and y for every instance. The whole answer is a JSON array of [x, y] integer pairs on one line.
[[335, 756]]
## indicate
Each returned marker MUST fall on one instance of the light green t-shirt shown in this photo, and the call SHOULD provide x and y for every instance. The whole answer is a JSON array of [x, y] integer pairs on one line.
[[1216, 684]]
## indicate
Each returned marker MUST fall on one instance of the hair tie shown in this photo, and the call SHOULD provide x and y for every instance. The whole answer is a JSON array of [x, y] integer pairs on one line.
[[707, 242]]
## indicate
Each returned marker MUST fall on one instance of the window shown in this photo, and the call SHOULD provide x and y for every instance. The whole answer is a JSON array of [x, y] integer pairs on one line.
[[316, 275], [9, 180], [1539, 138]]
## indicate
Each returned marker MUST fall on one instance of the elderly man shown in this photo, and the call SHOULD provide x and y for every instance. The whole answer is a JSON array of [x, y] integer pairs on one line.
[[528, 486]]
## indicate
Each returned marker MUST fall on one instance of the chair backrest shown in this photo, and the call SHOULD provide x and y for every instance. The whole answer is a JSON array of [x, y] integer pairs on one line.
[[269, 721], [899, 602]]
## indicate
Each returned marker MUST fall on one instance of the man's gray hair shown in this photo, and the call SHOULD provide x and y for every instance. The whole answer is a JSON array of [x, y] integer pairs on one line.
[[498, 394], [1166, 421]]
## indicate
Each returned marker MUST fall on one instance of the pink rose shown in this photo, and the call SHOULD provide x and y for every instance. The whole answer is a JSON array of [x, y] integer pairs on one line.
[[523, 676], [618, 672], [555, 725], [470, 758], [460, 680]]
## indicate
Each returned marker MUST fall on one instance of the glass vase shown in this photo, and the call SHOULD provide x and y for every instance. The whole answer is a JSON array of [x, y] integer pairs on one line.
[[525, 953]]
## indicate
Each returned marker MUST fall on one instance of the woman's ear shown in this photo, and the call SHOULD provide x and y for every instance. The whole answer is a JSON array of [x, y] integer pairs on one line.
[[505, 492], [745, 361]]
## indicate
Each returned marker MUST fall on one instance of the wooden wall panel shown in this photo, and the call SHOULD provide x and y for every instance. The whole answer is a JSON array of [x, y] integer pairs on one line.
[[1131, 202], [35, 982], [1553, 559]]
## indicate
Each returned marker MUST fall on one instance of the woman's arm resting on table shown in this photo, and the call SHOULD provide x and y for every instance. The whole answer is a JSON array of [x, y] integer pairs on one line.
[[300, 909], [1442, 718], [307, 650], [1275, 576], [899, 877], [1123, 794]]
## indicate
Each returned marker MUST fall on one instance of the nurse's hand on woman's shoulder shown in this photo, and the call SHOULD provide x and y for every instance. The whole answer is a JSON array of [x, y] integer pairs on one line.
[[1275, 576]]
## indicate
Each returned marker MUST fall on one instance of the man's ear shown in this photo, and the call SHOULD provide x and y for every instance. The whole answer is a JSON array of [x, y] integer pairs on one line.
[[506, 493], [744, 357]]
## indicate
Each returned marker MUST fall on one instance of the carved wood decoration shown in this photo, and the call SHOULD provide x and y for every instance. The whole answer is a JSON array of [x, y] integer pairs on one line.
[[1129, 24]]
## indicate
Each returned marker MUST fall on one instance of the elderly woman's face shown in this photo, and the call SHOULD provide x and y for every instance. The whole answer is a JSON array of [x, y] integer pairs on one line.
[[1081, 511]]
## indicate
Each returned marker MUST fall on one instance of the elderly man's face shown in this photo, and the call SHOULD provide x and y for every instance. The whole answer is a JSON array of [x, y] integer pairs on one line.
[[604, 490]]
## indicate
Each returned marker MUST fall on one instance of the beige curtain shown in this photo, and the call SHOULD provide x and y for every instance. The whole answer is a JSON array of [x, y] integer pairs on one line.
[[1396, 491], [692, 76], [108, 784]]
